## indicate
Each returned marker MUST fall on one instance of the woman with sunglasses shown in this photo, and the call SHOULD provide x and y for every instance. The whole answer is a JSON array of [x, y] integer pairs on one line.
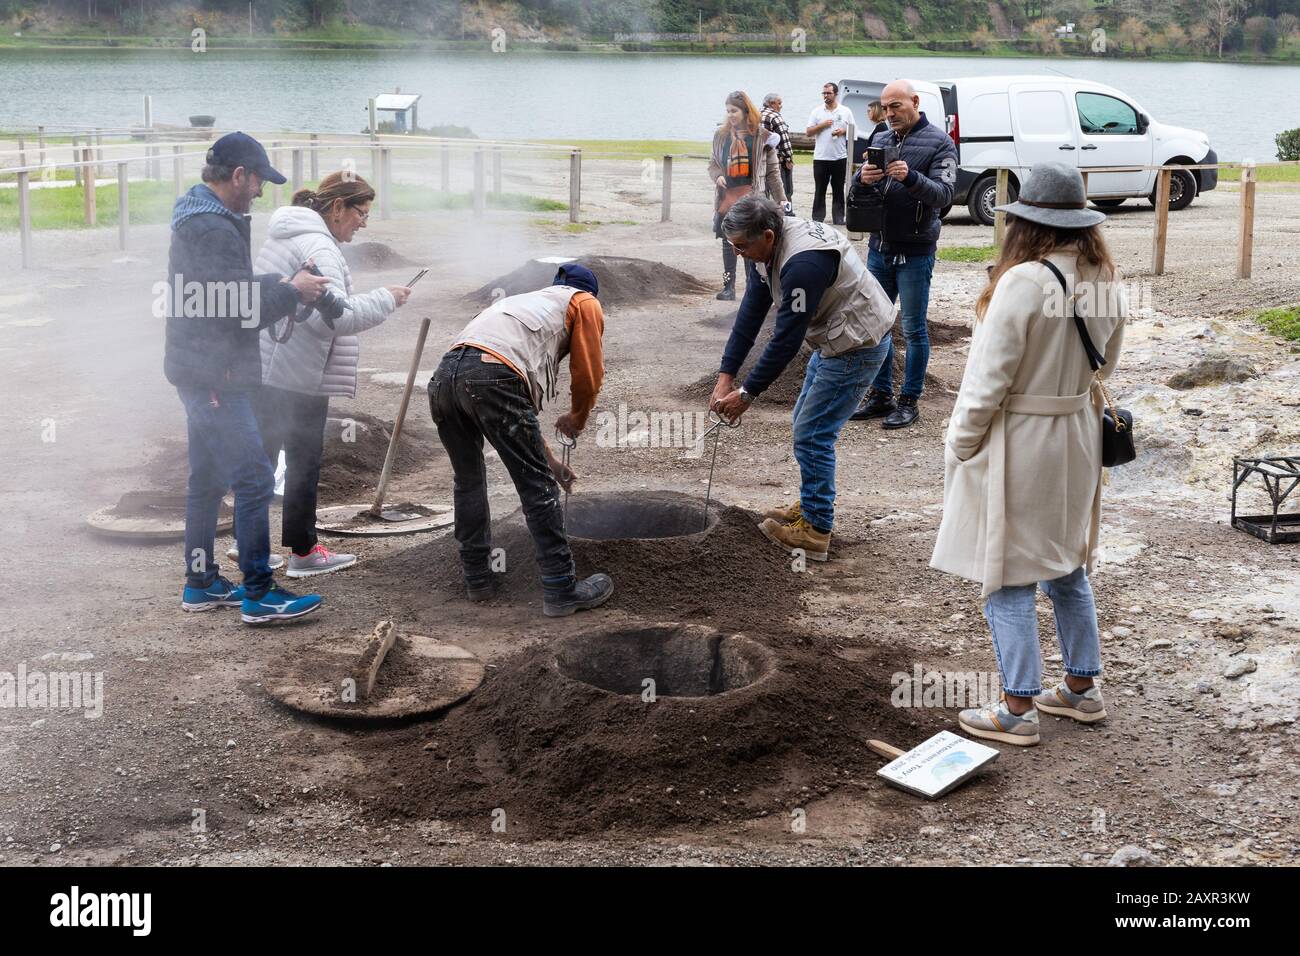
[[305, 362]]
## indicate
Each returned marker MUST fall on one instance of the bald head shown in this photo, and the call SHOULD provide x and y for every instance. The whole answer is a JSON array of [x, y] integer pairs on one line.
[[902, 106]]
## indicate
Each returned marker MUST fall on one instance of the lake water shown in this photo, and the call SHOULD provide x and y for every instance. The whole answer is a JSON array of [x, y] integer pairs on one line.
[[579, 96]]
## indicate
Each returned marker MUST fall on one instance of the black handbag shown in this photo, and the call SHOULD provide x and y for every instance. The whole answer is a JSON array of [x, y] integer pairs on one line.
[[1117, 446], [865, 210]]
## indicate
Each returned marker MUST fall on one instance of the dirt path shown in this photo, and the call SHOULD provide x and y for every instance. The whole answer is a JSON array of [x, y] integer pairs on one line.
[[1193, 766]]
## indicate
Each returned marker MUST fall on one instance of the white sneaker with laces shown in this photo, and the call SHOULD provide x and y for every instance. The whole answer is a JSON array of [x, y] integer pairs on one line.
[[275, 561], [318, 560]]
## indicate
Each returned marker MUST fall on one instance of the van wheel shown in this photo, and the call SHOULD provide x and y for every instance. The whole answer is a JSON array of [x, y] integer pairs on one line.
[[984, 196], [1107, 203], [1182, 190]]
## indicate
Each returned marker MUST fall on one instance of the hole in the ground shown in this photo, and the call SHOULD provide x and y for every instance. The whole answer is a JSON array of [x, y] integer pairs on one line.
[[683, 660], [600, 517]]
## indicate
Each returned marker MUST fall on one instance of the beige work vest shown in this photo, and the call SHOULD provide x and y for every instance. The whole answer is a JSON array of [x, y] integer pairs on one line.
[[530, 331]]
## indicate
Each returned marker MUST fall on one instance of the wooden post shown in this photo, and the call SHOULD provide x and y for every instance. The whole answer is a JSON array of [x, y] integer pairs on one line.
[[123, 206], [25, 219], [22, 151], [76, 158], [1246, 237], [446, 168], [480, 199], [295, 179], [496, 170], [1002, 197], [1084, 173], [386, 180], [666, 209], [40, 139], [155, 164], [99, 152], [315, 158], [275, 163], [373, 124], [575, 184], [178, 173], [850, 139], [88, 186], [1161, 235]]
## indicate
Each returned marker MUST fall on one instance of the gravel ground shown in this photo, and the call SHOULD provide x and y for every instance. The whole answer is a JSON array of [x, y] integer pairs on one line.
[[190, 763]]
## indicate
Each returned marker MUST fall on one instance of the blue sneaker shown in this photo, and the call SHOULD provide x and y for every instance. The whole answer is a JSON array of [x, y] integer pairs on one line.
[[219, 593], [278, 604]]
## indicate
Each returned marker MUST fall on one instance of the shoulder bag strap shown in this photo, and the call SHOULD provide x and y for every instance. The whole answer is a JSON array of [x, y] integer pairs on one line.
[[1095, 359]]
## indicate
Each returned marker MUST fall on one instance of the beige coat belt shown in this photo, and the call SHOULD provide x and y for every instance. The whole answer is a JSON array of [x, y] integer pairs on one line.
[[995, 539]]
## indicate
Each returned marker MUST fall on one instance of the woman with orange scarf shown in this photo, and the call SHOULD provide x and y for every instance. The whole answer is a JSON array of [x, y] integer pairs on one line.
[[744, 161]]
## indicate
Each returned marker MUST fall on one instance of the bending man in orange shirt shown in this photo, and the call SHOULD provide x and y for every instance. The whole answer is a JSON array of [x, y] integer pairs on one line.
[[491, 384]]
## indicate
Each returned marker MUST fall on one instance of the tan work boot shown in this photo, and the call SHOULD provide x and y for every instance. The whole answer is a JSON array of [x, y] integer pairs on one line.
[[784, 514], [798, 534]]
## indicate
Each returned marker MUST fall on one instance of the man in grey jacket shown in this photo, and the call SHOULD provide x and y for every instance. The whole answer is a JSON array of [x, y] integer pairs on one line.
[[916, 188]]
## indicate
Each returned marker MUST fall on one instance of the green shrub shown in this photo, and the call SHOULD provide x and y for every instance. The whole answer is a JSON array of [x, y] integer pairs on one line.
[[1288, 145], [1283, 321]]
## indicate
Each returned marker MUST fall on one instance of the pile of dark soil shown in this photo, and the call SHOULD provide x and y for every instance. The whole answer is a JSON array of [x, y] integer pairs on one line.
[[352, 468], [375, 256], [562, 757], [623, 281], [785, 390], [729, 576], [349, 468]]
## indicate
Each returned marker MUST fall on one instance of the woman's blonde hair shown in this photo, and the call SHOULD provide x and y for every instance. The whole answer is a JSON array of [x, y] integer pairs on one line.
[[348, 187], [753, 118], [1027, 241]]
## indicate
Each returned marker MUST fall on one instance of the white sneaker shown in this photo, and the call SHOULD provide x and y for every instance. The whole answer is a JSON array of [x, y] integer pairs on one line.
[[275, 561], [318, 561]]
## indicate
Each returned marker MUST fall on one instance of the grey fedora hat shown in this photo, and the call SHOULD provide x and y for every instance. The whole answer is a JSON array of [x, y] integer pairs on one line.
[[1053, 195]]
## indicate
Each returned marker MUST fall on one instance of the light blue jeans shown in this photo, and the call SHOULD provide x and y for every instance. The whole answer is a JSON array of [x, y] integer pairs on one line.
[[832, 390], [1014, 623]]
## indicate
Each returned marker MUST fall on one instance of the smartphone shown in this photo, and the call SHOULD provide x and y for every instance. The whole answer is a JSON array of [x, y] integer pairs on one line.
[[882, 156], [418, 276]]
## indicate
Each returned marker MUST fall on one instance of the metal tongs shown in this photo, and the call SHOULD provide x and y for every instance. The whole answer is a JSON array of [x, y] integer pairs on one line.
[[715, 421], [566, 448]]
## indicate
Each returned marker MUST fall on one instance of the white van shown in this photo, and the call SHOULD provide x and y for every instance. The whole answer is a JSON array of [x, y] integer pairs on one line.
[[1018, 121]]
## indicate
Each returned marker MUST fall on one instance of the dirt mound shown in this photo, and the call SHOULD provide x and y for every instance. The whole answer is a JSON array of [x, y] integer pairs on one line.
[[785, 390], [729, 576], [562, 757], [623, 281], [376, 256], [355, 446]]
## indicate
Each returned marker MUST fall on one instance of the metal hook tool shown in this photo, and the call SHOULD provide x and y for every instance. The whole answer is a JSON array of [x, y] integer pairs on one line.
[[566, 448], [715, 421]]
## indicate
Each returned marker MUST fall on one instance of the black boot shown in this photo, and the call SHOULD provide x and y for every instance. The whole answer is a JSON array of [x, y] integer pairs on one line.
[[482, 588], [875, 405], [728, 293], [904, 415], [578, 596]]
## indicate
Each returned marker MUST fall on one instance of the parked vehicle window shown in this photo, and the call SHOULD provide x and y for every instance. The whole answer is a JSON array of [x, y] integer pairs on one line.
[[1101, 115]]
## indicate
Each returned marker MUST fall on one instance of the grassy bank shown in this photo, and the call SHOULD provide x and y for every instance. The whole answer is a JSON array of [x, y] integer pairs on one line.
[[151, 202], [338, 36], [1283, 322]]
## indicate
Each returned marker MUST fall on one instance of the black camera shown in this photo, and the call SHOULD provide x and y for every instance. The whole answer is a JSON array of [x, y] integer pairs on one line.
[[329, 305]]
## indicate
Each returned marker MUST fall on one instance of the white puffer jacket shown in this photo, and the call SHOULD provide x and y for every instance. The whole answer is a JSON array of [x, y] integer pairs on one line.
[[317, 360]]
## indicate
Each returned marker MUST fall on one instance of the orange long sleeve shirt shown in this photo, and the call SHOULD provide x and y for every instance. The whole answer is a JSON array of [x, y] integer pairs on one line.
[[585, 320]]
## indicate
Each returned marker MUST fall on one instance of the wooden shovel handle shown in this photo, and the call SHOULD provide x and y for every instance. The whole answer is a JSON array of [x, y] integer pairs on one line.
[[884, 749], [378, 506]]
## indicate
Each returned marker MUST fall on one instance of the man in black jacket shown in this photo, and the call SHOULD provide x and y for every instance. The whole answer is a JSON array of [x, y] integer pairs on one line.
[[215, 310], [916, 188]]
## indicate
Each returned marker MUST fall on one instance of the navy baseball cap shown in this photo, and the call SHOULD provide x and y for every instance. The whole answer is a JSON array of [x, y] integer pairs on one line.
[[240, 149]]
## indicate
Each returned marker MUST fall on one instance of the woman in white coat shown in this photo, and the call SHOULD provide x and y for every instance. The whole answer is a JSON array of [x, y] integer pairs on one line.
[[1022, 478], [306, 362]]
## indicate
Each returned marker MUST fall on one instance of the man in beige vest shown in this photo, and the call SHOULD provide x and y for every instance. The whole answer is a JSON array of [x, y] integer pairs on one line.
[[828, 299], [492, 383]]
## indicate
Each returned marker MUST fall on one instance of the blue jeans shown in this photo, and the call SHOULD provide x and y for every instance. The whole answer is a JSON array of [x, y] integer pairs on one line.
[[905, 279], [832, 390], [1014, 623], [226, 453]]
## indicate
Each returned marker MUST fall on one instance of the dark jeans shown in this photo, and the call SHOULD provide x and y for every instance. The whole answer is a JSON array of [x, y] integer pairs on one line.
[[295, 423], [471, 400], [907, 280], [787, 180], [832, 171], [226, 453]]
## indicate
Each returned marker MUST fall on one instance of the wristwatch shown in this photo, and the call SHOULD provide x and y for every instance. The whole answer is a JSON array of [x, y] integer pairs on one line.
[[746, 397]]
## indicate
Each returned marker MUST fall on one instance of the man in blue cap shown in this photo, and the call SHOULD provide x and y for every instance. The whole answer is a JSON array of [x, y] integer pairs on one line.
[[215, 309], [492, 383]]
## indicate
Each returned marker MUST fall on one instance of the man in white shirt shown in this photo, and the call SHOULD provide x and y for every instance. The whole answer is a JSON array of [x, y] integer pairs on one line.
[[829, 124]]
